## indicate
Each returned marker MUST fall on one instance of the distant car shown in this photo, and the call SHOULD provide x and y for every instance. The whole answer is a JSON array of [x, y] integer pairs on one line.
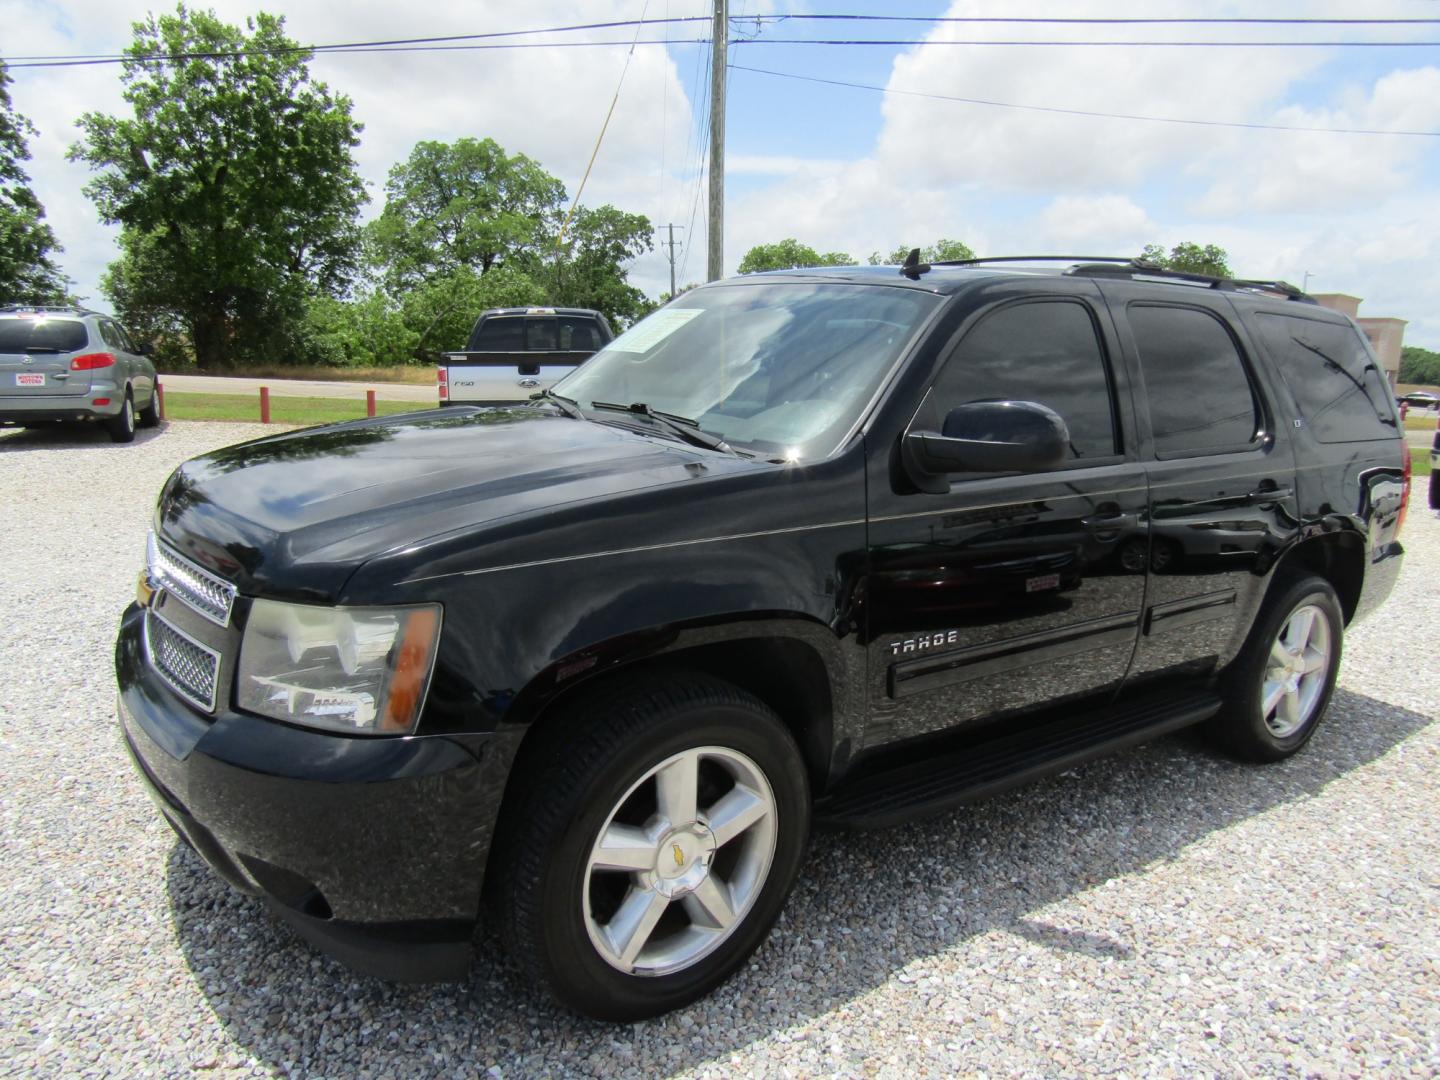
[[1420, 399], [69, 364]]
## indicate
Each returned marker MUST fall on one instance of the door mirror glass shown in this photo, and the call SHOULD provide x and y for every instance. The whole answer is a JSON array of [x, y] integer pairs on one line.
[[991, 436]]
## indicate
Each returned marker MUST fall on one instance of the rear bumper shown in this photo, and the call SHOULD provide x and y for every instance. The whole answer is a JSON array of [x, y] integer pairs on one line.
[[39, 409], [373, 849]]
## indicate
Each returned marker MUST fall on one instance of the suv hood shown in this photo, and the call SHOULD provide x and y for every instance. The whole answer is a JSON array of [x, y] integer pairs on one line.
[[294, 515]]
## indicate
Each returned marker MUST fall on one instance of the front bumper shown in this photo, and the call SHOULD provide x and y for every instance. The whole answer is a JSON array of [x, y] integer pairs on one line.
[[373, 848]]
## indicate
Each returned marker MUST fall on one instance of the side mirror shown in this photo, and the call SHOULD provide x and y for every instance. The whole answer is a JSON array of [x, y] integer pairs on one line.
[[988, 437], [144, 349]]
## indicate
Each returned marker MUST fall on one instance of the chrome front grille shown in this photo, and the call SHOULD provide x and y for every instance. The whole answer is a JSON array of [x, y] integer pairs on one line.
[[210, 595], [191, 669]]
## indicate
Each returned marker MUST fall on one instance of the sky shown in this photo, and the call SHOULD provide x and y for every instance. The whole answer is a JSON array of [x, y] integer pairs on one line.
[[871, 169]]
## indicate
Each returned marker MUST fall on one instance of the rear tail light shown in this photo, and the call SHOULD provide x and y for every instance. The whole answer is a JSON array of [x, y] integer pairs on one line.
[[93, 360], [101, 401], [442, 380], [1405, 489]]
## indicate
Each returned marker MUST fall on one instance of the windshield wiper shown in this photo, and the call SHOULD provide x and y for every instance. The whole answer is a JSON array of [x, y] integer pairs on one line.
[[41, 348], [683, 426], [564, 404]]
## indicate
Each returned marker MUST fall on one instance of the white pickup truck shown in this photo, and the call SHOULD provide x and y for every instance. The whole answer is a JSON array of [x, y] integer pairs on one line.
[[516, 352]]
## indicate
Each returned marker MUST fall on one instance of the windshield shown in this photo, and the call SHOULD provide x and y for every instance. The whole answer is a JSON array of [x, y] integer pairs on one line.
[[784, 369]]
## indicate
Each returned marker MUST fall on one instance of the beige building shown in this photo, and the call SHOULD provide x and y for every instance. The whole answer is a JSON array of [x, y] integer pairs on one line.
[[1386, 334]]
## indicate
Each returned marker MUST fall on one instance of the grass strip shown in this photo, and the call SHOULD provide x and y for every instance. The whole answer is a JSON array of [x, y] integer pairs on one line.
[[412, 374], [245, 408]]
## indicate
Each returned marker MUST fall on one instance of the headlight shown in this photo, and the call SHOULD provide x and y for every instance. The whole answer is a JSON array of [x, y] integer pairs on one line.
[[360, 670]]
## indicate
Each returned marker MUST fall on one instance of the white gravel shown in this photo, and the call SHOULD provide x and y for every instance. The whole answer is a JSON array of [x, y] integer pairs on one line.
[[1160, 913]]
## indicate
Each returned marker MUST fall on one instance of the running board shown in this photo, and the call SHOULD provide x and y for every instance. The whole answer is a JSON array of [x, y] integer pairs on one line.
[[981, 769]]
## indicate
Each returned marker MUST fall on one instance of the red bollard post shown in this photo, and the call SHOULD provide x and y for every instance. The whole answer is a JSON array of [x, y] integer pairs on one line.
[[369, 402], [264, 404], [160, 398]]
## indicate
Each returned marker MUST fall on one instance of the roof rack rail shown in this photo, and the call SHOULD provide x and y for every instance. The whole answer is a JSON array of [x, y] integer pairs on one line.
[[1042, 258], [75, 309], [1140, 268]]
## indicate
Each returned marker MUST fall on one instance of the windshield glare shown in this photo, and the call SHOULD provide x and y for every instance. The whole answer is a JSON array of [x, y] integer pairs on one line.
[[784, 369]]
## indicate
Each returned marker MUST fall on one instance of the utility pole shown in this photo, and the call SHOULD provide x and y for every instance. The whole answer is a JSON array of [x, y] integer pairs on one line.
[[672, 243], [1305, 285], [720, 32]]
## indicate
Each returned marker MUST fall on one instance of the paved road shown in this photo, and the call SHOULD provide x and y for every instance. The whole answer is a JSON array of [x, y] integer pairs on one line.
[[215, 384]]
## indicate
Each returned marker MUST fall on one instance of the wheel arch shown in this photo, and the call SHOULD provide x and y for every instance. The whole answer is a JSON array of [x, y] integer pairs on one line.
[[1338, 557], [782, 664]]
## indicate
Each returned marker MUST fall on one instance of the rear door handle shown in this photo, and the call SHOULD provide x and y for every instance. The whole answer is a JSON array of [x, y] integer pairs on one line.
[[1269, 495], [1110, 522]]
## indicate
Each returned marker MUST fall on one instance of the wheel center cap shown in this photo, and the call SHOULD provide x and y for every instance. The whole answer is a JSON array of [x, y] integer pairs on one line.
[[682, 859]]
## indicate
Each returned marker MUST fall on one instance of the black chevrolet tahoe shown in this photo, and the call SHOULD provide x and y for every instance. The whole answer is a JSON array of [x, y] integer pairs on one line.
[[837, 547]]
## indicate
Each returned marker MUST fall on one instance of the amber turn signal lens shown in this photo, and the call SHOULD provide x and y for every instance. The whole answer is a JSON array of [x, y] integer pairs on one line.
[[413, 660]]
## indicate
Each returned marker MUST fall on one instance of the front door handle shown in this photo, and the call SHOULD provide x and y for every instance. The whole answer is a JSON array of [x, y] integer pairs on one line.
[[1264, 494], [1110, 523]]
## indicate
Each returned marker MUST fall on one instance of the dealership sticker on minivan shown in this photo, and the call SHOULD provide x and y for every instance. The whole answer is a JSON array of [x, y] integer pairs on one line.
[[37, 379]]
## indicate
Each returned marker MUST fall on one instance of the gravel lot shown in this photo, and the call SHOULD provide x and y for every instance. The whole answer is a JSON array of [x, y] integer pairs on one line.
[[1160, 913]]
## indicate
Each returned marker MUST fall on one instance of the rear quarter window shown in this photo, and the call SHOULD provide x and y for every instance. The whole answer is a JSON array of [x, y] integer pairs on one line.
[[1341, 392], [500, 334], [58, 335]]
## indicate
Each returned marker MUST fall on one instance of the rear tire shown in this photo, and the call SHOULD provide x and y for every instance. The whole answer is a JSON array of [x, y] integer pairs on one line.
[[122, 425], [1280, 685], [702, 801]]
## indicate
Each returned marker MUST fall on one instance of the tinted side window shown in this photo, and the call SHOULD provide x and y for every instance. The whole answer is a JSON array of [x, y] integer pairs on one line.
[[499, 335], [126, 341], [1341, 393], [1196, 384], [108, 334], [1043, 351]]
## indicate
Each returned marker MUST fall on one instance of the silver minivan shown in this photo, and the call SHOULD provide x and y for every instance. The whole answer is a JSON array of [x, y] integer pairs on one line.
[[69, 364]]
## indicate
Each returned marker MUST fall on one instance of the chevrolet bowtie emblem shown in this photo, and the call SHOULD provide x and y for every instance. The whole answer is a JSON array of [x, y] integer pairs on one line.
[[679, 854]]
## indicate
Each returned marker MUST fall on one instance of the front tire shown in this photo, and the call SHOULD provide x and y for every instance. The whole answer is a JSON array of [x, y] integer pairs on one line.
[[654, 838], [1280, 686]]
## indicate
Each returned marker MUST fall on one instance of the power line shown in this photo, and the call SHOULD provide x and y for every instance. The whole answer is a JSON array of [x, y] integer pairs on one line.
[[560, 237], [340, 50], [121, 57], [757, 19], [1108, 21], [898, 42], [433, 45], [1083, 112]]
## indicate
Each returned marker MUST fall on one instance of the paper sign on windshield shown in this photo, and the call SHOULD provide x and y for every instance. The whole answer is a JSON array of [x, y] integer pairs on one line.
[[650, 332]]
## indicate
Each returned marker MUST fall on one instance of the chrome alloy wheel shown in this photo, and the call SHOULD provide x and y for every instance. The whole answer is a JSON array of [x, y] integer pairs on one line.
[[1296, 671], [679, 862]]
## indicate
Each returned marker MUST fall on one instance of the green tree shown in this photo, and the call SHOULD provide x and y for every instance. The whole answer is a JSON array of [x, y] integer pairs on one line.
[[28, 274], [942, 251], [367, 331], [441, 311], [458, 213], [234, 183], [462, 205], [587, 267], [789, 254], [1419, 365], [1191, 259]]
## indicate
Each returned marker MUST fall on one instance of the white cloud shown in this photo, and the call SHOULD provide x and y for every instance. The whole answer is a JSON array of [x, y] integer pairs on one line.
[[1106, 223], [547, 103]]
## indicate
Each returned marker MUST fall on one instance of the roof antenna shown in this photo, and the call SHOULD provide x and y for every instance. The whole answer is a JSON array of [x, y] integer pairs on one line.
[[913, 267]]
